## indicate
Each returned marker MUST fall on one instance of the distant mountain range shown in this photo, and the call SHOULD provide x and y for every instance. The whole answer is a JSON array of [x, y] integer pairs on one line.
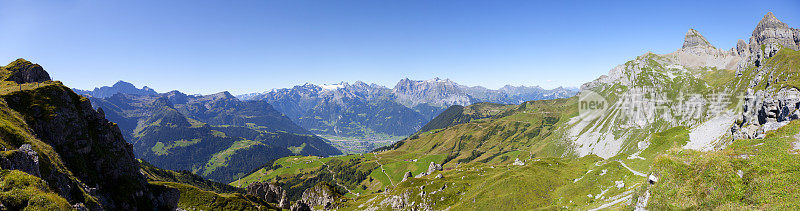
[[217, 136], [363, 110], [359, 112], [119, 87]]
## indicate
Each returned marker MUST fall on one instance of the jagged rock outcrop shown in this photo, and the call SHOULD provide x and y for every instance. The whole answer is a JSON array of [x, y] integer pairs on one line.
[[770, 30], [270, 193], [769, 36], [23, 159], [23, 71], [97, 161], [300, 206], [433, 167], [694, 39], [770, 107], [407, 175], [322, 194], [763, 112]]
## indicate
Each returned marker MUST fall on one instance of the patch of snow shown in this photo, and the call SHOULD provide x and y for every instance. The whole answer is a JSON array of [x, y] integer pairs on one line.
[[702, 137], [332, 86]]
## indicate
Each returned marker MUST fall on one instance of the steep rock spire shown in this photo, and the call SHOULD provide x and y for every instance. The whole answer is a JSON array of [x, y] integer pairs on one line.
[[770, 30], [693, 38]]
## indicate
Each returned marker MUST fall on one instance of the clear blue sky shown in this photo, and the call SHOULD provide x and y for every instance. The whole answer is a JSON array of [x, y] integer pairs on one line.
[[248, 46]]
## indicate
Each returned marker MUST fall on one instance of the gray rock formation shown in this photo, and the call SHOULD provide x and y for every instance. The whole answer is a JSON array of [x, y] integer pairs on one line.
[[433, 167], [92, 148], [407, 175], [322, 194], [300, 206], [23, 159], [772, 107], [770, 36], [269, 192], [694, 39], [23, 71], [770, 30], [762, 112]]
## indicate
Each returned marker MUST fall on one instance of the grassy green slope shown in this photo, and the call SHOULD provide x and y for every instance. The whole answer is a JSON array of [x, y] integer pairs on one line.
[[748, 174]]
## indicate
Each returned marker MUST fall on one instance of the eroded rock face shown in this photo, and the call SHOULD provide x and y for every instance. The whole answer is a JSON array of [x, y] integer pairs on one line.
[[407, 175], [91, 147], [269, 192], [694, 39], [433, 167], [763, 112], [23, 71], [23, 159], [771, 30], [321, 194], [300, 206], [770, 36]]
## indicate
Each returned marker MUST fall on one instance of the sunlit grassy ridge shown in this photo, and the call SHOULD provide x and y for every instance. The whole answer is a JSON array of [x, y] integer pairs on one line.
[[14, 132], [479, 154], [196, 198], [20, 190]]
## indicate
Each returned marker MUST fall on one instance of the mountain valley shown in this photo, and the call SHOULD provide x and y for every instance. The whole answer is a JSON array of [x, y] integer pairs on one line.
[[698, 128]]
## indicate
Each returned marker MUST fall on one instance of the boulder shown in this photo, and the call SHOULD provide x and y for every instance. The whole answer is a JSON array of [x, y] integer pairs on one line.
[[406, 176]]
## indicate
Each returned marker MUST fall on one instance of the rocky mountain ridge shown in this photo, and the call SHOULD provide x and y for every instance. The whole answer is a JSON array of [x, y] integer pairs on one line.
[[217, 136], [362, 109], [119, 87], [55, 134], [681, 130]]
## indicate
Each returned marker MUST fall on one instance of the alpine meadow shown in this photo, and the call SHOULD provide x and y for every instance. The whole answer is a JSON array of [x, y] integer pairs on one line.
[[400, 105]]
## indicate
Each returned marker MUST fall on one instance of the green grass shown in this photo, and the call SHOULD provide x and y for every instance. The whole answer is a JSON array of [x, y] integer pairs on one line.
[[784, 68], [19, 190], [193, 198], [220, 159], [709, 180]]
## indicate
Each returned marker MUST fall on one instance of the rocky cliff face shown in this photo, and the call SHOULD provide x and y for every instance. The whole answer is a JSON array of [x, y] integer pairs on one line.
[[24, 159], [694, 39], [91, 146], [269, 192], [94, 164], [769, 36], [771, 98], [436, 92], [321, 195]]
